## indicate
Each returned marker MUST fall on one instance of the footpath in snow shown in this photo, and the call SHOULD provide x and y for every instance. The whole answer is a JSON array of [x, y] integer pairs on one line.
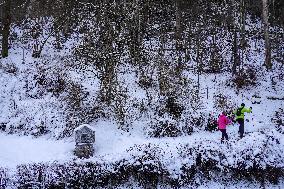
[[110, 143]]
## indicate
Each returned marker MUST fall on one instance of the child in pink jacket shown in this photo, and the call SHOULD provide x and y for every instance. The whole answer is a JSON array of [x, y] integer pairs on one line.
[[223, 121]]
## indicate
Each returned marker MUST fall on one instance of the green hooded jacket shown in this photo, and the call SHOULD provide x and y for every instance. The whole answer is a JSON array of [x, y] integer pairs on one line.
[[242, 116]]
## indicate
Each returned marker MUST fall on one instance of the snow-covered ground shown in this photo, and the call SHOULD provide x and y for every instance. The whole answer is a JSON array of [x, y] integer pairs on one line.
[[111, 141], [111, 144], [16, 150], [19, 106]]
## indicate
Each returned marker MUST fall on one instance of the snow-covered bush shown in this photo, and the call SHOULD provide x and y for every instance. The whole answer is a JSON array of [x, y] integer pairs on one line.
[[174, 120], [204, 158], [145, 82], [196, 120], [195, 99], [278, 120], [224, 103], [260, 156], [76, 112], [69, 175], [2, 126], [3, 177], [216, 61], [173, 108], [145, 164], [32, 175], [9, 67], [120, 107], [246, 77], [164, 127], [50, 79], [166, 119]]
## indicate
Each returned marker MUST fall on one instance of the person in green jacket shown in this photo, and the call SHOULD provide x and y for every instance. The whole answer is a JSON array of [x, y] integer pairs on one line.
[[240, 117]]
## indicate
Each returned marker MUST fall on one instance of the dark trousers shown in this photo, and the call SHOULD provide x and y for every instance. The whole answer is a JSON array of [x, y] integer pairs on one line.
[[224, 134], [241, 127]]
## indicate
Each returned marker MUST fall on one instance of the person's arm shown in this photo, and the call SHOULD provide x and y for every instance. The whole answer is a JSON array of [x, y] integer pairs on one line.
[[228, 121], [248, 110]]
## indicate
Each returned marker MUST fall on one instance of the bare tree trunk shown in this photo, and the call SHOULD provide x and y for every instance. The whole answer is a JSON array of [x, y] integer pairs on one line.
[[108, 69], [178, 25], [178, 37], [6, 28], [163, 84], [236, 57], [243, 30], [135, 32], [188, 43], [268, 62], [231, 15], [233, 28], [57, 37], [198, 61]]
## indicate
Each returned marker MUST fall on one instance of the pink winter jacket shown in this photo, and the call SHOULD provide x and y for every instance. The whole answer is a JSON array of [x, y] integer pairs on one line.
[[223, 121]]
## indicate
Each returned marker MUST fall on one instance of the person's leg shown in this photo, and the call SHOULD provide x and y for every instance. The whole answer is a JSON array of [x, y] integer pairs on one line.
[[226, 135], [223, 134], [241, 127], [207, 127]]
